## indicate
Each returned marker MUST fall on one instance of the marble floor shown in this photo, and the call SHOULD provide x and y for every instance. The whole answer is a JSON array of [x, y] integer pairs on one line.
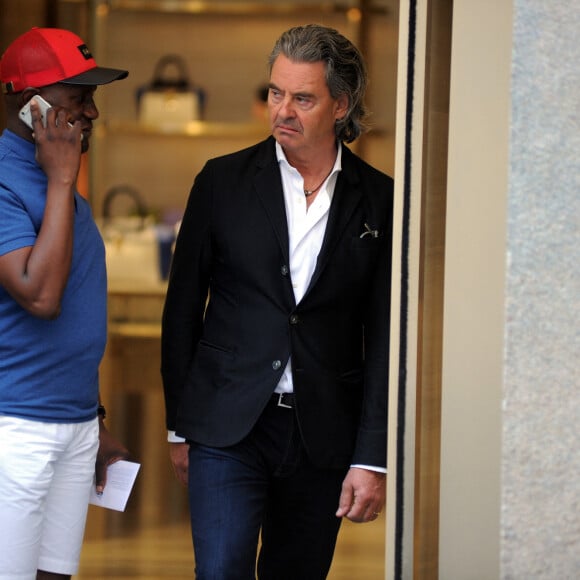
[[151, 540], [164, 552]]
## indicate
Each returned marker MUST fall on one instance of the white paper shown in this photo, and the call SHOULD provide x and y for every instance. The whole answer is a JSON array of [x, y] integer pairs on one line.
[[120, 479]]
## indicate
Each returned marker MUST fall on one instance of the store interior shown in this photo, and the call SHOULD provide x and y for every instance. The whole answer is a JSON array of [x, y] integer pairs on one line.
[[140, 166]]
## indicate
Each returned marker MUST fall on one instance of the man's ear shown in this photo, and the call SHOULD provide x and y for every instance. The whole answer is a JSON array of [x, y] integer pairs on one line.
[[25, 96], [341, 107], [14, 103]]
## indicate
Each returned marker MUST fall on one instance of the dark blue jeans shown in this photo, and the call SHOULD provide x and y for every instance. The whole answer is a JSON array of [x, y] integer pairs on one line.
[[266, 483]]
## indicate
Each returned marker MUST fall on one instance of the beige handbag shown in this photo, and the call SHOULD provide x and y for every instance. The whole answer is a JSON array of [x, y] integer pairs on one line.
[[131, 241], [170, 101]]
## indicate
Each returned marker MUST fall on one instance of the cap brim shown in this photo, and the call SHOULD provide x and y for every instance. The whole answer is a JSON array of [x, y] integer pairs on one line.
[[97, 76]]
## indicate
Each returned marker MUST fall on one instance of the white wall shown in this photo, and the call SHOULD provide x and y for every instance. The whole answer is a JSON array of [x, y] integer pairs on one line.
[[474, 290]]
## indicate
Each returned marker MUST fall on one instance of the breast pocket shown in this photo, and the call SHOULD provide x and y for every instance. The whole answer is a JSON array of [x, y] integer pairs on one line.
[[363, 253]]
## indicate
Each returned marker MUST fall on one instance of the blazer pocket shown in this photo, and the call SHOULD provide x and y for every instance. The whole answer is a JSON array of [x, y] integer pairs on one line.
[[362, 255], [211, 359], [213, 347], [352, 376], [368, 243]]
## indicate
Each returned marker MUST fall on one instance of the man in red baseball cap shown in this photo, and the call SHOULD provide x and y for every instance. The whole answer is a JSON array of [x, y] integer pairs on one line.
[[57, 65], [53, 296]]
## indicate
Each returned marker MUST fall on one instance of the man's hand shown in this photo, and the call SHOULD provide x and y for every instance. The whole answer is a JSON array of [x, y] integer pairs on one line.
[[58, 145], [363, 495], [179, 455], [110, 451]]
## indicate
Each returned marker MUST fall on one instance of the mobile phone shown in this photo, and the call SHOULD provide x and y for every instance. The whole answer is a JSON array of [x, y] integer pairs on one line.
[[43, 106]]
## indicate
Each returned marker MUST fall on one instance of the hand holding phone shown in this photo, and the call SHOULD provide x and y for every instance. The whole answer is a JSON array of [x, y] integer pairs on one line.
[[43, 106]]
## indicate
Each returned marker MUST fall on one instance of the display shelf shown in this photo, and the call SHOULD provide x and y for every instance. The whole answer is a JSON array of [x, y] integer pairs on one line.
[[224, 45], [135, 330], [198, 130], [238, 8], [195, 129]]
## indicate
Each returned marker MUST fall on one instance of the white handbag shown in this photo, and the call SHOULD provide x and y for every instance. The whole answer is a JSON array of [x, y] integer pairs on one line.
[[170, 102], [131, 242]]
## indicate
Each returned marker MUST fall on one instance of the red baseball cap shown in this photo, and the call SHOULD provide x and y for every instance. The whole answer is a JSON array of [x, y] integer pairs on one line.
[[44, 56]]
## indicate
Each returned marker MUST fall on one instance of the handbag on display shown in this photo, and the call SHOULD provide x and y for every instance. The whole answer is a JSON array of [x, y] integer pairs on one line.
[[131, 240], [170, 100]]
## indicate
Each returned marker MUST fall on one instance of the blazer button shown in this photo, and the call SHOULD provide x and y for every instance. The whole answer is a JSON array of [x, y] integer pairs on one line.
[[276, 364], [294, 319], [284, 270]]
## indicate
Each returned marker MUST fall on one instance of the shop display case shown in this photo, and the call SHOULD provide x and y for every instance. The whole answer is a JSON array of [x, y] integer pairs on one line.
[[224, 47]]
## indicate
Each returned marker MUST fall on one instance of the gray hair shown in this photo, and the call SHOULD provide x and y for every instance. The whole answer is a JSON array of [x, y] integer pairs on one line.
[[346, 72]]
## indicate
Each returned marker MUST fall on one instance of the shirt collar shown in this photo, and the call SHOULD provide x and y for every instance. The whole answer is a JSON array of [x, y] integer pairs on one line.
[[281, 156], [20, 146]]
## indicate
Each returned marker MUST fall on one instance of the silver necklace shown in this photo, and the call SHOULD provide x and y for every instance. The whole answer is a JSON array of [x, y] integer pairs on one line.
[[309, 192]]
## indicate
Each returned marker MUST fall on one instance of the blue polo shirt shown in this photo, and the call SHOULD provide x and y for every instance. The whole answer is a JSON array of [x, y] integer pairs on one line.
[[49, 368]]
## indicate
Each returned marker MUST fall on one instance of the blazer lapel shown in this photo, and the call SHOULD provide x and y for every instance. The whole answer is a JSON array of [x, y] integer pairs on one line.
[[268, 186], [346, 198]]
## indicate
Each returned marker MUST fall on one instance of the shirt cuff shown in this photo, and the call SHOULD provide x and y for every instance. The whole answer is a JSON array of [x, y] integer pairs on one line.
[[173, 438], [371, 468]]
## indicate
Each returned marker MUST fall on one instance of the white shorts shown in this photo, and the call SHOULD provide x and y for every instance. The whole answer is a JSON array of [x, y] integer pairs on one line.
[[46, 474]]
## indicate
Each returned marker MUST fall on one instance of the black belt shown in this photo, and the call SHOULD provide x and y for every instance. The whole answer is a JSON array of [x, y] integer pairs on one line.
[[285, 400]]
